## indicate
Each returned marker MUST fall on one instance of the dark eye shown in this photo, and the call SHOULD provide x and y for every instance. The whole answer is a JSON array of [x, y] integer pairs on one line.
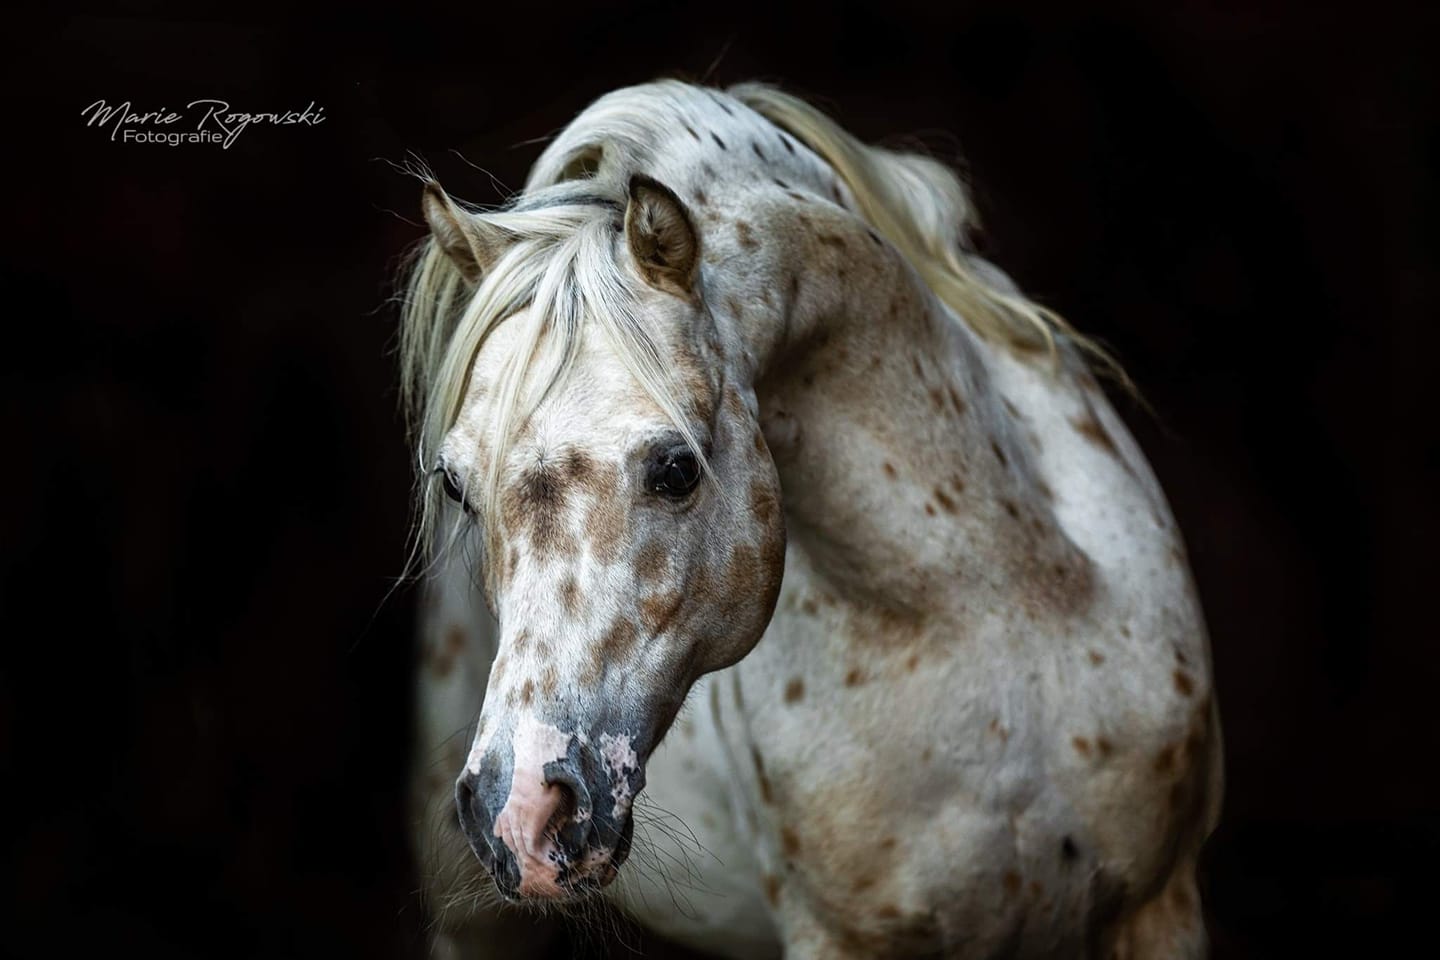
[[674, 474], [452, 490]]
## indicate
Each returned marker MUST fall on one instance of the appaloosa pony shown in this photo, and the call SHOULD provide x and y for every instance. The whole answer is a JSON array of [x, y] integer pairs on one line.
[[769, 498]]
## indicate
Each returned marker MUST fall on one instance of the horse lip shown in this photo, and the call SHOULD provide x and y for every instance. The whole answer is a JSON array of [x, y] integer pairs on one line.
[[507, 880]]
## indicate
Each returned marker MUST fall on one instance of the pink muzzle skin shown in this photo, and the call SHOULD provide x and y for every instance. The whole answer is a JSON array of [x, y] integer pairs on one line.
[[524, 825]]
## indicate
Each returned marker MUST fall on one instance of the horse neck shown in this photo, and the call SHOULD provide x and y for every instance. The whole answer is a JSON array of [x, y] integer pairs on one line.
[[905, 483]]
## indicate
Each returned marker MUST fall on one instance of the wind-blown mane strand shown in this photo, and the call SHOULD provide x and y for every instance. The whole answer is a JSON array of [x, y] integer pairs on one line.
[[922, 207]]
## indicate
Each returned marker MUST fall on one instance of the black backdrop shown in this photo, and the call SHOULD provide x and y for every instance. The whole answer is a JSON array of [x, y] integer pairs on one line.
[[205, 703]]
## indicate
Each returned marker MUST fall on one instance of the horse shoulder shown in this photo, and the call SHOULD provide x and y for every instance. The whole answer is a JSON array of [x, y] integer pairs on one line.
[[1134, 738]]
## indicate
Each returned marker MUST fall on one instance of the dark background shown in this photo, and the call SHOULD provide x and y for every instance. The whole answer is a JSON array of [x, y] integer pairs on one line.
[[204, 706]]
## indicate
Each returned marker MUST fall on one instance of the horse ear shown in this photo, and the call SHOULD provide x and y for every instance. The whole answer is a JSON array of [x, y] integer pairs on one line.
[[473, 244], [662, 239]]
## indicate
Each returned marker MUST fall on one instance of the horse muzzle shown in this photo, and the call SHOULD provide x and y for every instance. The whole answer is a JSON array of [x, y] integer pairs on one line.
[[555, 831]]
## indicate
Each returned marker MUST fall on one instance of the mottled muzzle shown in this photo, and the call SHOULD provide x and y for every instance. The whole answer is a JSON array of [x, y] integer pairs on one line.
[[548, 810]]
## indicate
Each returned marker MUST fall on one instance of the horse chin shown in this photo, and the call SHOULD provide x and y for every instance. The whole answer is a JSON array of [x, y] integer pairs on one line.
[[568, 889], [609, 870]]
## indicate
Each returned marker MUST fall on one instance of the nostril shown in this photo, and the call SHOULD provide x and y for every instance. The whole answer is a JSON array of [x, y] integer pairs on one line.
[[467, 807], [569, 802], [473, 820], [571, 821], [465, 800]]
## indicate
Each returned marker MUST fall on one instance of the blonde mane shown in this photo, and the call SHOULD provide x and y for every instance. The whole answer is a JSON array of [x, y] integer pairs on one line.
[[560, 265], [921, 207]]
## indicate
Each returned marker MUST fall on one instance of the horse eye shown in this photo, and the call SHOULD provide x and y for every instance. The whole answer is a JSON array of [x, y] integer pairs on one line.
[[675, 474], [452, 490]]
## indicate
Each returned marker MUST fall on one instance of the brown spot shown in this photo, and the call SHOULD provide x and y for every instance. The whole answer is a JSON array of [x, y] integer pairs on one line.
[[1011, 880], [999, 454], [1082, 746], [956, 402], [930, 509], [700, 198], [925, 755], [450, 649], [1165, 760], [1104, 746], [947, 503], [570, 595], [809, 606], [1180, 896], [618, 641], [658, 609], [888, 912], [789, 842], [772, 889], [889, 470], [854, 678], [911, 662], [937, 398], [1096, 658], [527, 692], [651, 560], [743, 573], [887, 844], [1183, 683], [795, 690], [863, 882], [746, 235], [764, 504], [577, 468], [549, 682], [1090, 428], [536, 506], [1010, 508], [767, 794]]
